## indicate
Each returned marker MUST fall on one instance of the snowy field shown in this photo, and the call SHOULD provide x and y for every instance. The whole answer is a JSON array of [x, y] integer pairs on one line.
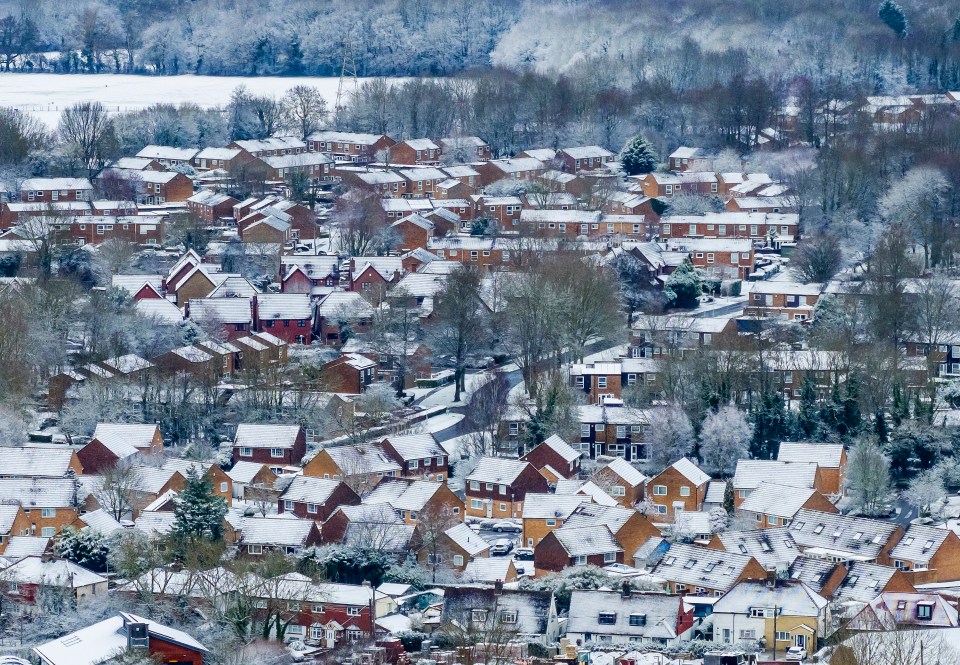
[[45, 95]]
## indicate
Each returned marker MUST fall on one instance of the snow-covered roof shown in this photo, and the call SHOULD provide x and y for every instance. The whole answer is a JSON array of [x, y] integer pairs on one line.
[[587, 540], [39, 492], [690, 471], [167, 152], [266, 436], [102, 641], [750, 473], [21, 547], [660, 614], [464, 537], [416, 446], [349, 303], [778, 500], [551, 506], [518, 164], [497, 470], [244, 472], [770, 547], [46, 184], [487, 569], [864, 581], [919, 544], [362, 458], [284, 306], [827, 455], [159, 309], [35, 462], [276, 530], [102, 521], [55, 572], [857, 538], [307, 489], [701, 566], [221, 310], [587, 152], [629, 473], [402, 493], [793, 599], [422, 144]]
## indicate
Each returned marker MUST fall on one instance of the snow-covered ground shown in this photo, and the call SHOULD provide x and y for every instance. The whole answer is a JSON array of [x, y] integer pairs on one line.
[[445, 421], [46, 95], [444, 396]]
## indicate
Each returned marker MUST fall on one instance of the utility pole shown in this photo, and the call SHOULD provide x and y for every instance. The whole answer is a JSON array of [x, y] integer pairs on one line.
[[348, 70], [775, 612]]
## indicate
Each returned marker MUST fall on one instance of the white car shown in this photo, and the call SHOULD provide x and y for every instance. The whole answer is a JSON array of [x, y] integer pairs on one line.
[[796, 654], [506, 525]]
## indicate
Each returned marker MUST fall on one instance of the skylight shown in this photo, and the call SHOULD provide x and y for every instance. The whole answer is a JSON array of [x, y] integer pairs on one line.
[[819, 528]]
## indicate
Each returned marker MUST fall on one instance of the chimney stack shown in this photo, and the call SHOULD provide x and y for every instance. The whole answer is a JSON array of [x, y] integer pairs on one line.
[[498, 587], [625, 589], [772, 577]]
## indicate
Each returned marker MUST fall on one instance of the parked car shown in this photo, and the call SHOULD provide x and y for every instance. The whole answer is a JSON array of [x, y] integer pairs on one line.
[[797, 654], [502, 547], [523, 554], [506, 525], [487, 524]]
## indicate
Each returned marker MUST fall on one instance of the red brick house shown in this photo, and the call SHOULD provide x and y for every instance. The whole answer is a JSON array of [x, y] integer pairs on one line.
[[219, 159], [349, 146], [621, 480], [164, 187], [54, 190], [168, 155], [466, 148], [658, 184], [517, 168], [725, 259], [388, 184], [414, 231], [690, 159], [505, 210], [681, 486], [315, 167], [113, 442], [273, 445], [273, 146], [497, 487], [419, 152], [286, 315], [419, 456], [577, 546], [315, 498], [277, 533], [211, 206], [557, 454], [758, 227], [339, 308], [351, 373], [301, 274], [584, 158], [789, 301], [124, 633]]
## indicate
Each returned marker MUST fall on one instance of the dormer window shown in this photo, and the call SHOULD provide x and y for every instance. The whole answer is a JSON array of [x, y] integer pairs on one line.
[[607, 618], [924, 611]]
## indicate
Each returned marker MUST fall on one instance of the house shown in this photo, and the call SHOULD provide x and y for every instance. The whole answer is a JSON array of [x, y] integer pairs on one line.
[[611, 430], [136, 164], [342, 309], [168, 155], [788, 301], [414, 500], [517, 168], [420, 152], [373, 275], [642, 619], [419, 456], [421, 182], [596, 535], [465, 148], [362, 464], [370, 526], [458, 546], [774, 204], [659, 184], [624, 482], [865, 581], [843, 538], [413, 232], [313, 275], [584, 158], [822, 576], [771, 504], [751, 473], [312, 167], [831, 458], [53, 190], [690, 159], [230, 317], [267, 229], [681, 486], [161, 187], [271, 146], [497, 487], [782, 613], [113, 442], [351, 147], [250, 478], [283, 533], [24, 580], [388, 184], [351, 373], [210, 206], [722, 258], [561, 223], [892, 611], [274, 445], [285, 315], [513, 615], [125, 633], [691, 569], [556, 455], [927, 554], [39, 461], [219, 159], [315, 498], [220, 481], [759, 227], [543, 513]]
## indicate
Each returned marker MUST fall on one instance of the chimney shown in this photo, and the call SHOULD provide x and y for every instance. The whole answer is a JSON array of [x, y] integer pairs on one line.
[[498, 588], [137, 635], [772, 577], [625, 589]]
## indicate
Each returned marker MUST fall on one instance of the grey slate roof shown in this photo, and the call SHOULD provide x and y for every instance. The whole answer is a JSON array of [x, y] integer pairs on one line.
[[533, 608], [832, 534], [770, 547], [699, 566], [660, 613], [919, 544]]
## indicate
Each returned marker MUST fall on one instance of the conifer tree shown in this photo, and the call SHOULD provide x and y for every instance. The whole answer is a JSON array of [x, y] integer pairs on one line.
[[892, 14], [197, 510], [638, 156]]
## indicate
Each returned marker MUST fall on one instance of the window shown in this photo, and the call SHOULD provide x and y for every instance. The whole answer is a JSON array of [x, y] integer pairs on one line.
[[771, 520], [610, 557], [476, 503], [607, 618], [224, 487], [503, 507], [276, 452], [502, 489], [478, 616], [316, 608], [48, 512], [783, 636], [579, 382], [457, 559], [684, 490], [254, 549], [312, 508], [288, 505], [246, 452], [924, 611], [584, 431], [475, 484], [659, 490], [618, 490], [621, 431], [353, 611], [580, 560], [666, 229], [509, 616], [551, 522], [758, 612], [414, 464], [601, 382], [48, 531]]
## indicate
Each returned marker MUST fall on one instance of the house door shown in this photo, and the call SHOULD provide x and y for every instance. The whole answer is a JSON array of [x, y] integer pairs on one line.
[[489, 503], [800, 641], [331, 639], [597, 450], [726, 636]]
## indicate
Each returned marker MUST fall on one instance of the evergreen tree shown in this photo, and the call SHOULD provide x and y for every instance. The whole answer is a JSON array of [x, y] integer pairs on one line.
[[808, 418], [87, 548], [852, 418], [638, 156], [892, 14], [728, 502], [198, 512], [684, 286], [293, 65], [770, 425]]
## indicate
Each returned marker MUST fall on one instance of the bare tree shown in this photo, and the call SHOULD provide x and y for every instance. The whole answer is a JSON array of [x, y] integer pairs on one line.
[[304, 110], [724, 439], [431, 537], [461, 323], [118, 489], [868, 476], [817, 259], [87, 130], [488, 406]]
